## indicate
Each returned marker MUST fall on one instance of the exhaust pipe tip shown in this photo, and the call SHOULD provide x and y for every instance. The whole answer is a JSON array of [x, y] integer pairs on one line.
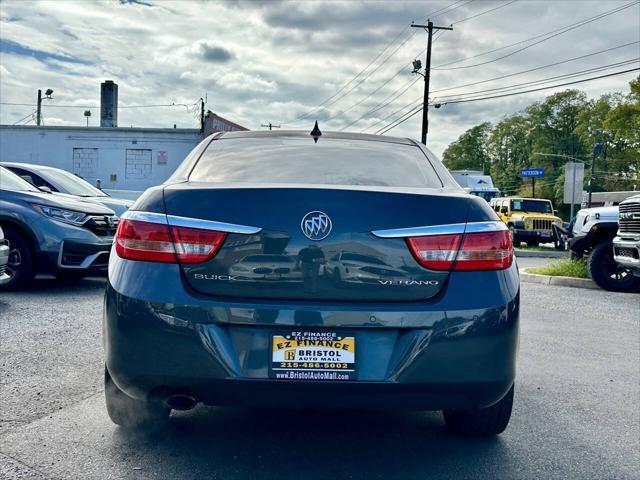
[[181, 402]]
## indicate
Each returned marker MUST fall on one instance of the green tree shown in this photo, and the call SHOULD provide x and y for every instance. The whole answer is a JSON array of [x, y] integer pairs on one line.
[[509, 148], [469, 151], [564, 125]]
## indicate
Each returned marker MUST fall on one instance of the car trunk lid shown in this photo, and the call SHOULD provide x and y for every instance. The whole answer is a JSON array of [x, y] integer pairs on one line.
[[315, 243]]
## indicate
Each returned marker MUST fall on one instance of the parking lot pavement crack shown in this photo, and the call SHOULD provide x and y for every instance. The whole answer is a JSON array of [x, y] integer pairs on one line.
[[10, 467]]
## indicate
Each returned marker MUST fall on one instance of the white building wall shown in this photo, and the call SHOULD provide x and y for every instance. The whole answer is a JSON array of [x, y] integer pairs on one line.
[[122, 158]]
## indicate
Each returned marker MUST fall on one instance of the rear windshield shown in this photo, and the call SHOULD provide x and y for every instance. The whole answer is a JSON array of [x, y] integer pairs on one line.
[[301, 161]]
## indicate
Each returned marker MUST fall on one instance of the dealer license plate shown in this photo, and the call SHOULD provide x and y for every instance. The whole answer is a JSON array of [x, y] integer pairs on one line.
[[313, 355]]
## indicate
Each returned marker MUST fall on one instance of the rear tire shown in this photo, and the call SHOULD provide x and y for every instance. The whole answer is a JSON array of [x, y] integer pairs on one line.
[[481, 422], [21, 266], [607, 273], [131, 413]]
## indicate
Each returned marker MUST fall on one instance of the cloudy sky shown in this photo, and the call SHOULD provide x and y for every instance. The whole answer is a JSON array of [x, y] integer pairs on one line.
[[288, 62]]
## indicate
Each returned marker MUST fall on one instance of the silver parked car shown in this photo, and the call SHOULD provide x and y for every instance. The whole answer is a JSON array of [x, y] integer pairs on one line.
[[60, 181]]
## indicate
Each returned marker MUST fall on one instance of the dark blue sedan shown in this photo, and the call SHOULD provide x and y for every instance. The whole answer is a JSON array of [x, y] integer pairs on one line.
[[341, 270]]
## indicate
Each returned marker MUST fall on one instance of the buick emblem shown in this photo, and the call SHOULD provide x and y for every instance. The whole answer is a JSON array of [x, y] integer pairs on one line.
[[316, 225]]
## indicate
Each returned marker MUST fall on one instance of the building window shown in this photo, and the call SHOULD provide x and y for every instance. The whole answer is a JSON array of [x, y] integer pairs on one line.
[[138, 164], [85, 162]]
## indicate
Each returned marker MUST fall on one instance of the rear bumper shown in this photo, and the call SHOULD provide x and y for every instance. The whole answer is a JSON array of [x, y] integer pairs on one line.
[[456, 352]]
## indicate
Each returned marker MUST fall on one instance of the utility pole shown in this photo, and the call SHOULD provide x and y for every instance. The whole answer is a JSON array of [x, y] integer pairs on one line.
[[39, 108], [429, 27], [270, 125], [597, 150], [533, 187]]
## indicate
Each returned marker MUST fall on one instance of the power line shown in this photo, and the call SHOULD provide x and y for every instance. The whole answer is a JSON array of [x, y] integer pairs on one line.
[[563, 29], [419, 108], [330, 100], [410, 83], [534, 69], [568, 29], [98, 106], [28, 116], [542, 88], [460, 60], [506, 76], [544, 80]]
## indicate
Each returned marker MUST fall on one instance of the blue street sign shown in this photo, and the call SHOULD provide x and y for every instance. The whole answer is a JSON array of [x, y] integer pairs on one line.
[[532, 172]]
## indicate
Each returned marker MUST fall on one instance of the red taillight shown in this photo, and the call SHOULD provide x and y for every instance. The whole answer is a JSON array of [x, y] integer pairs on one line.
[[195, 245], [485, 251], [436, 252], [491, 250], [157, 242]]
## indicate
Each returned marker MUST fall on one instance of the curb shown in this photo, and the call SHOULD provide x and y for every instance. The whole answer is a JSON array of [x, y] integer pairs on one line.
[[557, 281], [539, 254]]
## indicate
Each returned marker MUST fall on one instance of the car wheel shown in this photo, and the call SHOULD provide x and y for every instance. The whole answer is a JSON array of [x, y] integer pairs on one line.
[[514, 238], [607, 273], [131, 413], [483, 421], [20, 266]]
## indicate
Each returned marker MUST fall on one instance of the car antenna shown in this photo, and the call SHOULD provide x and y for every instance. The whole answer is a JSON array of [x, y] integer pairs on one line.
[[316, 133]]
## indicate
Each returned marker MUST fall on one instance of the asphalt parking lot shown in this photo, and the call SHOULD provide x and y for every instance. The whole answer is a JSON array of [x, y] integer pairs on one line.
[[576, 412]]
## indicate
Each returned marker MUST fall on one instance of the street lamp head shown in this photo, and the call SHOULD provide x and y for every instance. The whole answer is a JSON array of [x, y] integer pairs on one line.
[[48, 92], [87, 113], [417, 65]]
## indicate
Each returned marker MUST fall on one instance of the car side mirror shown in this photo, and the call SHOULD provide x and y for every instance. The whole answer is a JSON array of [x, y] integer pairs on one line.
[[504, 210], [555, 212], [45, 189]]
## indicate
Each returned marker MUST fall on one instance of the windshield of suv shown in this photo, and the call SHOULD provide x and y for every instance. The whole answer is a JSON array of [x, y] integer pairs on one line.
[[11, 181], [71, 183], [537, 206], [292, 160]]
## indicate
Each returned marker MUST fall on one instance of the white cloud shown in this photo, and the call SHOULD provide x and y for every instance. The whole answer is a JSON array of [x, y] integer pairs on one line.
[[274, 61]]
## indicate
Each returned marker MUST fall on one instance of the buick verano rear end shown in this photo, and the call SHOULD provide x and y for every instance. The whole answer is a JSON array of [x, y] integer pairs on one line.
[[288, 270]]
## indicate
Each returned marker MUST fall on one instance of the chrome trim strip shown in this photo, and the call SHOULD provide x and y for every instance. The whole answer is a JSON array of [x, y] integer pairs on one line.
[[477, 227], [144, 216], [420, 231], [211, 225], [177, 221], [449, 229]]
